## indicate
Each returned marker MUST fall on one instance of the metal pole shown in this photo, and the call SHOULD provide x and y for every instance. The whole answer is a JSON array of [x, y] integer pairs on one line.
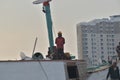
[[34, 45]]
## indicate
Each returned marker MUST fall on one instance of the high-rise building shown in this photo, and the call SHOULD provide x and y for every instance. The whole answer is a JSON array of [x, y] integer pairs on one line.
[[97, 39]]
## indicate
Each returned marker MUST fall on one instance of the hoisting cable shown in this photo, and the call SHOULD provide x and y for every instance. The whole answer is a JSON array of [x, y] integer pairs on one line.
[[43, 69]]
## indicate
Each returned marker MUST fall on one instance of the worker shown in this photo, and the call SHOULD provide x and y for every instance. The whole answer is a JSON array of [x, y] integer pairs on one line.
[[113, 72], [60, 41], [118, 50]]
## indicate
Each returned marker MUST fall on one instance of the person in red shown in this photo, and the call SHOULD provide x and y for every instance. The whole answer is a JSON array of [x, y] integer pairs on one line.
[[60, 41]]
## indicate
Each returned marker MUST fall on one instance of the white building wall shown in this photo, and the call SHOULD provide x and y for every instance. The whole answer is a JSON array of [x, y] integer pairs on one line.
[[79, 43]]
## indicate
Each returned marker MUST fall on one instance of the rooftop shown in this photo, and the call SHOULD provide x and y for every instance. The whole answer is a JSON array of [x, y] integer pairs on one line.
[[114, 18]]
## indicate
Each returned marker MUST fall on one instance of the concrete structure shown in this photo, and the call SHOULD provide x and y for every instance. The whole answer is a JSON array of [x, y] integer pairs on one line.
[[43, 70], [97, 39]]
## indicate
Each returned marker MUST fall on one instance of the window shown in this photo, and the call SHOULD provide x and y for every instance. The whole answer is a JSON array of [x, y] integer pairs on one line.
[[85, 39], [102, 56], [113, 48], [85, 43], [85, 52], [113, 40], [93, 35], [91, 30], [101, 44], [113, 52], [84, 30], [110, 48], [112, 44], [85, 48], [101, 47], [108, 44], [72, 72], [102, 52], [101, 35], [112, 36], [84, 35], [91, 39], [101, 39], [93, 47]]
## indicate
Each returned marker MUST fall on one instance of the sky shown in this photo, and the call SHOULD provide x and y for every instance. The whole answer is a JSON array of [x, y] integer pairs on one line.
[[21, 22]]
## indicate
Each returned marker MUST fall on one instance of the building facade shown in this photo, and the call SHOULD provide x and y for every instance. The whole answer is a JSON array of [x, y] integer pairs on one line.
[[97, 39]]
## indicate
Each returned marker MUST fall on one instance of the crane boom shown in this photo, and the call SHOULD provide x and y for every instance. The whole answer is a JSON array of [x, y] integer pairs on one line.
[[46, 9], [49, 24]]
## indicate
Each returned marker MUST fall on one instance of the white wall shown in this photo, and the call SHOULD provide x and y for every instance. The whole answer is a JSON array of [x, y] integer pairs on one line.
[[79, 42], [32, 70]]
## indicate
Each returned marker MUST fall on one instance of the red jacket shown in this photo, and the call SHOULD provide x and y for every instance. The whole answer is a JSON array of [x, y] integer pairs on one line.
[[60, 41]]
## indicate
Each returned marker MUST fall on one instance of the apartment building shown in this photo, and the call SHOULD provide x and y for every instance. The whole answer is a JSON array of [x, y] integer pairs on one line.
[[97, 39]]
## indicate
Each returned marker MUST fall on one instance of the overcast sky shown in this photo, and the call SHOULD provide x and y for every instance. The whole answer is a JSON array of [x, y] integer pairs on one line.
[[21, 22]]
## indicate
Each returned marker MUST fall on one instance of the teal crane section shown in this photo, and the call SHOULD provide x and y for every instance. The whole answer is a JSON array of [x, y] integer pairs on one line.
[[46, 9]]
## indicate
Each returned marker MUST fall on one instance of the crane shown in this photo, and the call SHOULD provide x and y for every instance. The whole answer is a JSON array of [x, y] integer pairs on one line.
[[46, 10]]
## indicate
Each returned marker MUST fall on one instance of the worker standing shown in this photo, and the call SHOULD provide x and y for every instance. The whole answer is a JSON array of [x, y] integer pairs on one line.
[[60, 41], [113, 72], [118, 50]]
